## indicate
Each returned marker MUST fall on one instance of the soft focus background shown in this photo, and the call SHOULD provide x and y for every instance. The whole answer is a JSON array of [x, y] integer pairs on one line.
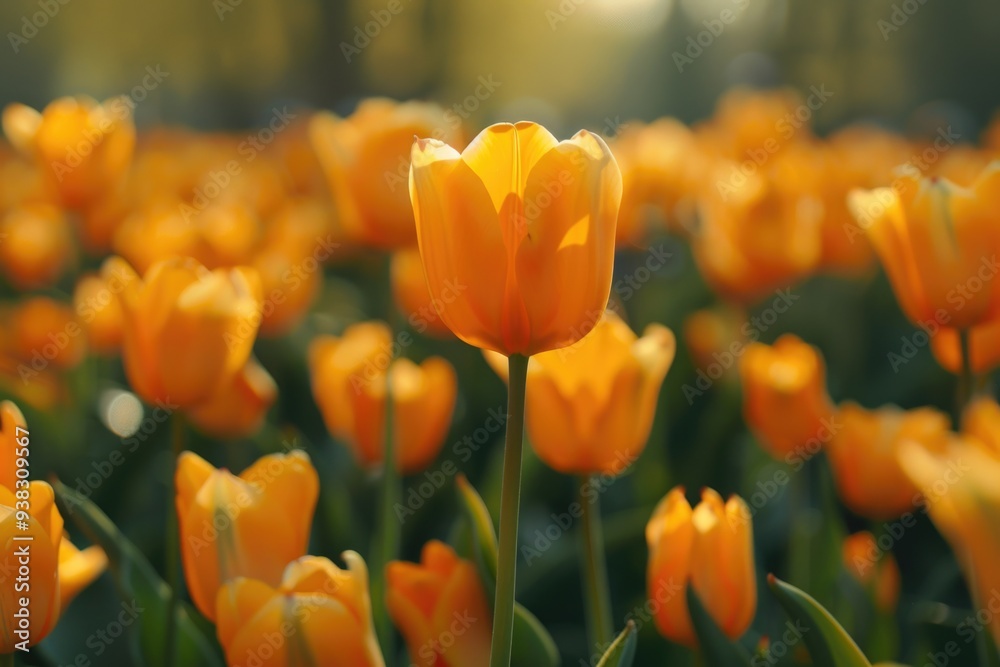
[[598, 64]]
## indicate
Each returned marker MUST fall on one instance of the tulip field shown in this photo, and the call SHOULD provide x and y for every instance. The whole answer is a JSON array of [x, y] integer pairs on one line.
[[394, 376]]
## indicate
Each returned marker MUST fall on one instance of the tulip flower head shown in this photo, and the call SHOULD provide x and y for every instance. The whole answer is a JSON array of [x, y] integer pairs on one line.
[[527, 225], [873, 568], [238, 408]]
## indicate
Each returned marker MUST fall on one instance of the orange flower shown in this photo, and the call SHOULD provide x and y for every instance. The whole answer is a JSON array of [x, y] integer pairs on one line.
[[320, 613], [83, 147], [710, 548], [366, 159], [874, 569], [527, 224], [864, 454], [785, 402], [590, 407], [97, 302], [36, 245], [238, 408], [188, 330], [715, 336], [349, 385], [440, 597], [938, 244], [45, 331], [984, 348], [247, 526], [409, 289]]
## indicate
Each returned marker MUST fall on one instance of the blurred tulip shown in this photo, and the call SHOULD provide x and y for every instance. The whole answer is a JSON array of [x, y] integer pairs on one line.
[[238, 408], [98, 306], [710, 548], [785, 402], [590, 407], [525, 224], [366, 159], [747, 120], [316, 614], [984, 348], [440, 598], [14, 442], [36, 245], [715, 336], [938, 244], [349, 385], [874, 569], [248, 526], [409, 289], [82, 146], [864, 455], [188, 330], [45, 331]]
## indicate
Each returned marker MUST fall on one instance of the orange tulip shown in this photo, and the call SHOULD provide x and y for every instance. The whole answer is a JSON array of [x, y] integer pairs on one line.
[[712, 334], [873, 568], [349, 385], [984, 348], [590, 407], [247, 526], [440, 607], [83, 147], [938, 244], [36, 245], [710, 548], [409, 289], [366, 159], [188, 330], [97, 301], [526, 224], [785, 402], [317, 614], [864, 454], [238, 408], [44, 332]]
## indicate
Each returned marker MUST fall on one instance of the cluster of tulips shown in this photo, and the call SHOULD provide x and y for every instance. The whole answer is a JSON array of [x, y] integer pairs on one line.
[[195, 245]]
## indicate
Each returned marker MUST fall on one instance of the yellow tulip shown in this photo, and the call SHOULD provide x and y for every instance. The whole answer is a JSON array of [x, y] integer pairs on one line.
[[709, 547], [785, 402], [525, 225], [349, 385], [873, 568], [83, 147], [938, 244], [248, 526], [238, 408], [366, 159], [37, 245], [440, 607], [409, 289], [590, 407], [864, 455], [316, 614], [188, 330]]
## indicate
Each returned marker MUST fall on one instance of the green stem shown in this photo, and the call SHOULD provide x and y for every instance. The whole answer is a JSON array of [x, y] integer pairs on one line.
[[595, 575], [510, 506], [173, 544], [965, 380], [389, 534], [6, 660]]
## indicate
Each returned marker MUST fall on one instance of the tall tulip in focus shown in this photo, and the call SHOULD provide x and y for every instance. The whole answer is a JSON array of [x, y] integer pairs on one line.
[[248, 526], [784, 395], [864, 455], [349, 382], [188, 330], [710, 548], [366, 159], [322, 611], [526, 224], [442, 596]]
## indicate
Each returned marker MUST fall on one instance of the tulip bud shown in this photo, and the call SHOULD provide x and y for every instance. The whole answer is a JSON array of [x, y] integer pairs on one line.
[[710, 548], [247, 526], [317, 614], [440, 607]]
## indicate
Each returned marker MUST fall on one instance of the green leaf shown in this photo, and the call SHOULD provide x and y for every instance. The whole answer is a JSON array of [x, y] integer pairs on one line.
[[717, 648], [532, 643], [829, 644], [144, 594], [621, 653]]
